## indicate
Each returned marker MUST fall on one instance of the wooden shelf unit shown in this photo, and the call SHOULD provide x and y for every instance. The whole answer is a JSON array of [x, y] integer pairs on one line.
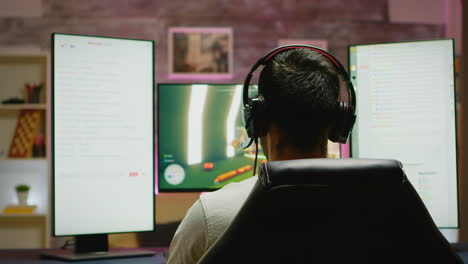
[[18, 67]]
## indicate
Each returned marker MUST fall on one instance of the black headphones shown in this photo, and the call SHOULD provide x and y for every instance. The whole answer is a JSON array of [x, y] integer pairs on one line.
[[255, 108]]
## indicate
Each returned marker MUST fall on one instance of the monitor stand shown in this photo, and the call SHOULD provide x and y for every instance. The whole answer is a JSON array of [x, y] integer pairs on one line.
[[91, 247]]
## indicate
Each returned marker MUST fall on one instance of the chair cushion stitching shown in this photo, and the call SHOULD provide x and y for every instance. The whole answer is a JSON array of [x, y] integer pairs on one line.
[[266, 172]]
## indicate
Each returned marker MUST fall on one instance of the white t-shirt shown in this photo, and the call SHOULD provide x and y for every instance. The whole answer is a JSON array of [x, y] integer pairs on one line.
[[206, 220]]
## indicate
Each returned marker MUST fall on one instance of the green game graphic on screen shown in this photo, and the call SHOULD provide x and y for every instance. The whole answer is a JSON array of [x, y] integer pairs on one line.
[[200, 130]]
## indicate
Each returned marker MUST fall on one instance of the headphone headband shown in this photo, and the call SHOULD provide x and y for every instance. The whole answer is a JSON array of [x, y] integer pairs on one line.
[[272, 53], [345, 109], [267, 57]]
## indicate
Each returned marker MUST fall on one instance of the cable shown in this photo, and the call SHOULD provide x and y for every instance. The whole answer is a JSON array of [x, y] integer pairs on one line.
[[256, 155], [68, 243]]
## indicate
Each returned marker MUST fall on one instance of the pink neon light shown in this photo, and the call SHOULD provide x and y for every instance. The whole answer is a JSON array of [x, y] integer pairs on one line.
[[156, 172], [200, 30], [191, 76], [344, 148]]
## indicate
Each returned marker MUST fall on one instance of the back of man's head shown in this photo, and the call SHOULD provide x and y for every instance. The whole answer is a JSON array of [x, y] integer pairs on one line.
[[301, 88]]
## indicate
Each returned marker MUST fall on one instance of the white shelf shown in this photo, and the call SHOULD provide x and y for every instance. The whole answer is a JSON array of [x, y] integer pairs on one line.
[[22, 106], [22, 215], [23, 159]]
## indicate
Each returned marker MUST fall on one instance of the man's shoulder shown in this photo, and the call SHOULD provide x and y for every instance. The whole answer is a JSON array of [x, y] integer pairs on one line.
[[238, 190], [220, 207], [226, 201]]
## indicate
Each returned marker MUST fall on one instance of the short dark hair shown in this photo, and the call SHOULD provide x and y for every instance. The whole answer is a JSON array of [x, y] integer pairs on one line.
[[301, 88]]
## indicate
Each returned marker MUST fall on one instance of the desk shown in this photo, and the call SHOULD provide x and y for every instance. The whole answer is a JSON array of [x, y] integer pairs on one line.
[[31, 256]]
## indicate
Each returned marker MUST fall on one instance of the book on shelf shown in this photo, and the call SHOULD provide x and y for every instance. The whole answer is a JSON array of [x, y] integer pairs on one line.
[[24, 138], [18, 209]]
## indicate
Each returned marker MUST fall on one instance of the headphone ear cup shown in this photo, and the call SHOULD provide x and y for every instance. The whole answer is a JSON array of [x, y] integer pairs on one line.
[[344, 121], [255, 118], [249, 120], [261, 121]]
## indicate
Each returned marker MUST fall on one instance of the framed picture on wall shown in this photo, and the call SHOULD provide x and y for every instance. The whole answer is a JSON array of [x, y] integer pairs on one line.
[[196, 52], [319, 43]]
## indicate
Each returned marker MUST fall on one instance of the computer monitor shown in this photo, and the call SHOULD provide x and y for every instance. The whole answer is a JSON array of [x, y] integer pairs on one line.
[[406, 111], [200, 133], [102, 138]]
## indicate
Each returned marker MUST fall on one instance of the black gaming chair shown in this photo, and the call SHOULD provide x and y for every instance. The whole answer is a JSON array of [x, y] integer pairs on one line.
[[332, 211]]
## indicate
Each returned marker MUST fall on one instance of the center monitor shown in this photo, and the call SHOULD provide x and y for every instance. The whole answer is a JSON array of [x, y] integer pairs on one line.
[[200, 130], [200, 133]]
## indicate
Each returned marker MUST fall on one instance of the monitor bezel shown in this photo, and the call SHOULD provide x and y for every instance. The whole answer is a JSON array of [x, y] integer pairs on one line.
[[52, 134], [454, 105]]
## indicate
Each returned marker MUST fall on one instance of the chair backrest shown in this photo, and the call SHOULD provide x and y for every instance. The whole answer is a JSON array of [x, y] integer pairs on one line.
[[332, 211]]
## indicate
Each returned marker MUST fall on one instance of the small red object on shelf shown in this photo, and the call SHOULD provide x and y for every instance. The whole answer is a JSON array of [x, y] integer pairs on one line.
[[39, 146], [33, 92]]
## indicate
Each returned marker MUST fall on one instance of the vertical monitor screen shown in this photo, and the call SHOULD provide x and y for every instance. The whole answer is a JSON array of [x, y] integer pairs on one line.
[[103, 135], [406, 111], [200, 134]]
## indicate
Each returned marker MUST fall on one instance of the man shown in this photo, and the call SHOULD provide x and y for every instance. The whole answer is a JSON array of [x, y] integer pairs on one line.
[[301, 88]]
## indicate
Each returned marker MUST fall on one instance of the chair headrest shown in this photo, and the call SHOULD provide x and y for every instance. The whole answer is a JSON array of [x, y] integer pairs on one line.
[[331, 172]]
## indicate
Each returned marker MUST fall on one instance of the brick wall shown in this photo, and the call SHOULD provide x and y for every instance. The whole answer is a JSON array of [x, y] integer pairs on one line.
[[257, 24]]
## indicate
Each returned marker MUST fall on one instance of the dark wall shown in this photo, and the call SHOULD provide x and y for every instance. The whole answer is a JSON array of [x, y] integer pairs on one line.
[[257, 24]]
